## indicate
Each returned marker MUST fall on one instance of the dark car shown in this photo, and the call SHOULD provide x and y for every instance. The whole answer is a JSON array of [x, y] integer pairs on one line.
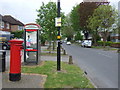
[[5, 45]]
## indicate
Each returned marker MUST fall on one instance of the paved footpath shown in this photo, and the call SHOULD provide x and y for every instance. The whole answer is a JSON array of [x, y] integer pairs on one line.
[[27, 81]]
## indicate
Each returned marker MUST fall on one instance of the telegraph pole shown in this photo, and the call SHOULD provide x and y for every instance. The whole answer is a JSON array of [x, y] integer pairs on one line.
[[58, 21]]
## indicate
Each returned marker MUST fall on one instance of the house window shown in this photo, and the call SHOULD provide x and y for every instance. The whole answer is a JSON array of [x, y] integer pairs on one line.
[[2, 25], [20, 27], [7, 25]]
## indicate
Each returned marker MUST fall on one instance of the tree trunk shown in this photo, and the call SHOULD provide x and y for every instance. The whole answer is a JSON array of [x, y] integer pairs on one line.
[[50, 47], [53, 45], [95, 42]]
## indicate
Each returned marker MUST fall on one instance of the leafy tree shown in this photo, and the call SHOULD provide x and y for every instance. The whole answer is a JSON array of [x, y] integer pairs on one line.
[[93, 24], [85, 11], [78, 36], [43, 38], [74, 17], [103, 18], [46, 18], [68, 31]]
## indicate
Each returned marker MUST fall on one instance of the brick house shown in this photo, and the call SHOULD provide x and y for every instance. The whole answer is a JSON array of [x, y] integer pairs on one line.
[[10, 24]]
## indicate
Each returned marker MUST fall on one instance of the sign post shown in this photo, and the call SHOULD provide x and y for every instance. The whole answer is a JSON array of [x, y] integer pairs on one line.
[[58, 25], [31, 43]]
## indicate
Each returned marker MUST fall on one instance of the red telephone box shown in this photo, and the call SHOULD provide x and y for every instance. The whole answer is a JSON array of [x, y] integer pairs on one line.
[[15, 59], [31, 43]]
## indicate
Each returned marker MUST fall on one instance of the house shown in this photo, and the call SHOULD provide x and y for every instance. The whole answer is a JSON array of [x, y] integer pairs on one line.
[[10, 24]]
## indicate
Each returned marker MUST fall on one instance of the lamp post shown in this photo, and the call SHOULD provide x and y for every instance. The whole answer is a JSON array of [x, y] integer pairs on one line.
[[58, 37]]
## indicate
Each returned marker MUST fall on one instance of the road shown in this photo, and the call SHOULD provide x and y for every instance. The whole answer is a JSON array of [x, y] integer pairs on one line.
[[101, 66]]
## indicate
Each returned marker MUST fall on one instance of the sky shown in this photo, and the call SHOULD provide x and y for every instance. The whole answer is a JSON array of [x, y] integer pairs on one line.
[[25, 10]]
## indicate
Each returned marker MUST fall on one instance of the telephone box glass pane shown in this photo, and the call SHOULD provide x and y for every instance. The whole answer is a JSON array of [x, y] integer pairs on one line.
[[31, 56], [31, 40]]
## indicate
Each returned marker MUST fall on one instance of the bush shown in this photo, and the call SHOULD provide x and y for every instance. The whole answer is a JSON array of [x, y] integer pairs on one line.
[[18, 34], [108, 43], [100, 43], [116, 43]]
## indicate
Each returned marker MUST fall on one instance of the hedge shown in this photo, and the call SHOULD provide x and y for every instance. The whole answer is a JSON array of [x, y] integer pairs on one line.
[[108, 43], [18, 34]]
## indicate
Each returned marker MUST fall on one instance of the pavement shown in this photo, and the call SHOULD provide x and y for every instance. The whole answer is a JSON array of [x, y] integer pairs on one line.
[[101, 66], [27, 80]]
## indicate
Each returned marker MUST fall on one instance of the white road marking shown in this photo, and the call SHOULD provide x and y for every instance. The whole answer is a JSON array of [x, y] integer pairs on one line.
[[105, 55]]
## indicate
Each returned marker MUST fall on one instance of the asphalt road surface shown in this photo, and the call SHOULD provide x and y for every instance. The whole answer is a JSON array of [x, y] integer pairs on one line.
[[101, 66]]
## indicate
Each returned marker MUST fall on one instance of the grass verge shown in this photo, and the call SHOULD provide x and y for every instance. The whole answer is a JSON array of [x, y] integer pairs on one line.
[[49, 50], [107, 48], [70, 76]]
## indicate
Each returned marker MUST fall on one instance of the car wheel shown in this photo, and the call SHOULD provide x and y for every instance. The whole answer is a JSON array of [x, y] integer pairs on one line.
[[4, 47]]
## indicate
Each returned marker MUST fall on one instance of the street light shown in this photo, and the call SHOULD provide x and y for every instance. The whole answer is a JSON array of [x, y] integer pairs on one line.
[[58, 37]]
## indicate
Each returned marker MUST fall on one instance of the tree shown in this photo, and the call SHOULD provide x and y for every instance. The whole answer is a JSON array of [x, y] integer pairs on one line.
[[85, 11], [43, 38], [78, 36], [46, 18], [67, 31], [93, 25], [74, 18], [103, 18]]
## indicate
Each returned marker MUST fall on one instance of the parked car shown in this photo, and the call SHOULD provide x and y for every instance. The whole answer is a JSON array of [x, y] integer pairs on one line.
[[5, 45], [68, 43], [86, 43]]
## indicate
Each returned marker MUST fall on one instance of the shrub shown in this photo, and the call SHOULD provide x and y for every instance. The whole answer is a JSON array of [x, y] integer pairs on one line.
[[108, 43], [18, 34]]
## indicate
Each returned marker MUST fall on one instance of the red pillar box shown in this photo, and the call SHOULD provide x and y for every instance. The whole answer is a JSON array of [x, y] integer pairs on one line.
[[15, 59]]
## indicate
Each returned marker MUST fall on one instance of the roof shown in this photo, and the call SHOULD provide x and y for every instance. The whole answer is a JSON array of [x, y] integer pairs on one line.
[[11, 20]]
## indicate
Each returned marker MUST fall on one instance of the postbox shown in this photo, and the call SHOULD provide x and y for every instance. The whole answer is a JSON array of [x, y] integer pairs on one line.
[[15, 59]]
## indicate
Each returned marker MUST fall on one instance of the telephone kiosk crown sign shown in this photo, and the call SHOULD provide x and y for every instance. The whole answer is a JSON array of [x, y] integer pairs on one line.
[[32, 26]]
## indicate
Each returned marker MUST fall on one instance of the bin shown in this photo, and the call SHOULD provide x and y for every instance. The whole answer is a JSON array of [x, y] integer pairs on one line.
[[2, 61]]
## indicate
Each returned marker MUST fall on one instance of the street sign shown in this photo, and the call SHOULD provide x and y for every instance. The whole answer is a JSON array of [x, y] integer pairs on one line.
[[58, 22]]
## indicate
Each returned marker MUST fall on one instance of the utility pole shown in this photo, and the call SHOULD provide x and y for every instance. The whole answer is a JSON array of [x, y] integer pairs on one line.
[[58, 36]]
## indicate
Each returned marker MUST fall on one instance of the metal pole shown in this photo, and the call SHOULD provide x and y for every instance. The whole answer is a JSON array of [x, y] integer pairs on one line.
[[58, 48], [24, 45]]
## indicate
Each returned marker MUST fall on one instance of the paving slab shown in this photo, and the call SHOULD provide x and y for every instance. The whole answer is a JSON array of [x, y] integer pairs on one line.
[[0, 80], [54, 58], [27, 81]]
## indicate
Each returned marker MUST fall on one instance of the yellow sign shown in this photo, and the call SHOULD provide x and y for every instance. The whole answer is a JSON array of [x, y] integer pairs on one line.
[[58, 22], [58, 37]]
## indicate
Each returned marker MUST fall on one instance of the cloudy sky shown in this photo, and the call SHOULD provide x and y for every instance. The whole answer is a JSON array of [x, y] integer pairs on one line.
[[25, 10]]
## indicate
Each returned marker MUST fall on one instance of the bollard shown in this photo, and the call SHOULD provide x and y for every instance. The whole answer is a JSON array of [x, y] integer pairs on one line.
[[64, 52], [3, 61], [62, 49], [70, 60]]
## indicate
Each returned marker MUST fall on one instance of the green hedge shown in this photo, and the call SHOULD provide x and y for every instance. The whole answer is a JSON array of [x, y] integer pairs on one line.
[[18, 34], [108, 43]]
